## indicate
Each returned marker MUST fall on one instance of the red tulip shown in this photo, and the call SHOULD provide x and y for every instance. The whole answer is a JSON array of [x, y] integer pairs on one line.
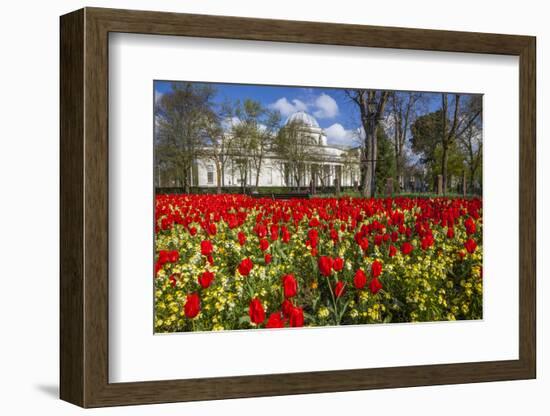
[[267, 258], [470, 226], [205, 279], [256, 311], [287, 307], [275, 320], [285, 235], [206, 248], [339, 288], [325, 265], [376, 268], [242, 238], [364, 243], [360, 279], [338, 264], [296, 317], [173, 256], [427, 242], [313, 236], [406, 248], [264, 244], [392, 251], [192, 305], [173, 280], [375, 285], [212, 229], [261, 230], [290, 287], [245, 267], [470, 245]]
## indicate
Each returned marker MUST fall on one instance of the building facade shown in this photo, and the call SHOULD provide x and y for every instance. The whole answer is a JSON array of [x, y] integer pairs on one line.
[[325, 165]]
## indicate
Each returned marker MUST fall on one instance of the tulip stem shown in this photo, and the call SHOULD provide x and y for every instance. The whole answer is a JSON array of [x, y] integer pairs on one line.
[[336, 320]]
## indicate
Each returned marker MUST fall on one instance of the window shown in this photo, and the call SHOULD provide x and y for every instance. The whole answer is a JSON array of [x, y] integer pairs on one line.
[[269, 176], [210, 174]]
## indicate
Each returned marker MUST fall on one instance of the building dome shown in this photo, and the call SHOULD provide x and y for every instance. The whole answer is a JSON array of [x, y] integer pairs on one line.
[[304, 118]]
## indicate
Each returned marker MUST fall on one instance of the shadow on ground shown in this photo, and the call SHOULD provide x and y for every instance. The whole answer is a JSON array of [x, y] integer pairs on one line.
[[51, 390]]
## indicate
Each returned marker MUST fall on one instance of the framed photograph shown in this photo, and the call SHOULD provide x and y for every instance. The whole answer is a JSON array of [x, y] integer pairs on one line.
[[255, 207]]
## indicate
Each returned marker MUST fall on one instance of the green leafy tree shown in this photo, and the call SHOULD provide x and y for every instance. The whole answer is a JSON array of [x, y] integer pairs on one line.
[[436, 134], [385, 166]]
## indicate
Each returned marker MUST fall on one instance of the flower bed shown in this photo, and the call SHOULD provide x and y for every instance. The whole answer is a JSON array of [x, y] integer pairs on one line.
[[235, 262]]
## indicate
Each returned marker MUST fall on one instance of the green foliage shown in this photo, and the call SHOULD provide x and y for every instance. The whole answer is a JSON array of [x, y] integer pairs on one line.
[[385, 165], [427, 131]]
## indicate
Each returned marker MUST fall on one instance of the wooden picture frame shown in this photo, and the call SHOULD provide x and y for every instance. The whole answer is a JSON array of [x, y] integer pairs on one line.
[[84, 207]]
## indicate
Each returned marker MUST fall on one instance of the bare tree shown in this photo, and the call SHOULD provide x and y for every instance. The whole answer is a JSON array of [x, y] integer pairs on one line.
[[455, 121], [371, 104], [402, 112], [252, 137], [295, 148], [471, 143], [217, 150], [182, 117]]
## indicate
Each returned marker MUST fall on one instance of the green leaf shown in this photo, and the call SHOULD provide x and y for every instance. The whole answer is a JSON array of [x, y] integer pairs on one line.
[[309, 317], [343, 310], [244, 320]]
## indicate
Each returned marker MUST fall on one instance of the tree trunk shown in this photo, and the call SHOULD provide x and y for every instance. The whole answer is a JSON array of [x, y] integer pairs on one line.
[[471, 179], [374, 158], [370, 159], [218, 178], [444, 161], [185, 179], [258, 171], [366, 180]]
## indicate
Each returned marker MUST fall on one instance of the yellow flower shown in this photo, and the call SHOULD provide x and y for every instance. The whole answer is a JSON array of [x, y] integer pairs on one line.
[[323, 312]]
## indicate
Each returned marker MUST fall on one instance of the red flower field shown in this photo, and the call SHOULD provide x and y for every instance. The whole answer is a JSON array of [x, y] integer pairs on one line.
[[236, 262]]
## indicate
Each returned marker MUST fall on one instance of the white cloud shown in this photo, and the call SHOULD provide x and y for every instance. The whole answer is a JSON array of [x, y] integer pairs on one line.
[[158, 96], [337, 134], [326, 106], [323, 106], [286, 107], [230, 122]]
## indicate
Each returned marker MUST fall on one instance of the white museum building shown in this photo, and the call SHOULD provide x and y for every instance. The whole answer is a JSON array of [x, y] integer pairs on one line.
[[326, 165]]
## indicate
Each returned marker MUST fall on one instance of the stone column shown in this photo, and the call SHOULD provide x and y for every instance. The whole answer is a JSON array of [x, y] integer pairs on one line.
[[337, 180], [313, 179]]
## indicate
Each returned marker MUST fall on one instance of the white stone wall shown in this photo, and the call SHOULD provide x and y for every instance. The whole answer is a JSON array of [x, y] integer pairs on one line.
[[272, 174]]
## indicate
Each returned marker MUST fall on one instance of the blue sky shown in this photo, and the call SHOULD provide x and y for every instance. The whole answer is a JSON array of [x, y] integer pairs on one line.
[[333, 110]]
